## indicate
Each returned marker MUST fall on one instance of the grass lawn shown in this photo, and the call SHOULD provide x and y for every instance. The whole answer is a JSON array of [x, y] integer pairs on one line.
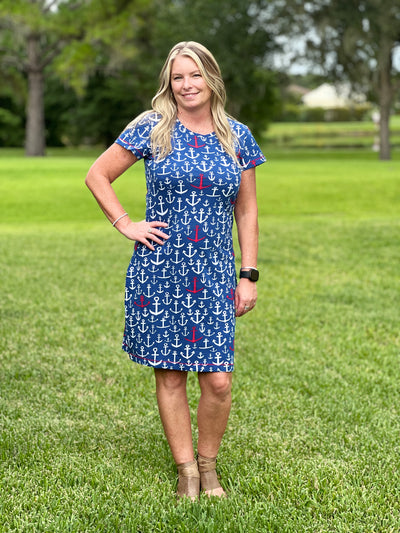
[[313, 439]]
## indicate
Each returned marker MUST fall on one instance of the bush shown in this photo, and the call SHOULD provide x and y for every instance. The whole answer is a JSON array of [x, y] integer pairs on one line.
[[300, 113], [11, 129]]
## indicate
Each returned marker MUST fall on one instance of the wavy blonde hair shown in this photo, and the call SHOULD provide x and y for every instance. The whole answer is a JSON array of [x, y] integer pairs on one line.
[[164, 103]]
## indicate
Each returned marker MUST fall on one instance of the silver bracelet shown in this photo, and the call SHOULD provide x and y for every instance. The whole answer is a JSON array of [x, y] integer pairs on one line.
[[119, 218]]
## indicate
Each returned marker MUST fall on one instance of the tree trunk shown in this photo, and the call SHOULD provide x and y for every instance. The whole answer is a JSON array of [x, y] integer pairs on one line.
[[35, 143], [385, 98]]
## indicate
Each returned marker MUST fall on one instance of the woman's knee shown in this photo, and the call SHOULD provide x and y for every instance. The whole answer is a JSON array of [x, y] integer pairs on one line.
[[170, 380], [219, 385]]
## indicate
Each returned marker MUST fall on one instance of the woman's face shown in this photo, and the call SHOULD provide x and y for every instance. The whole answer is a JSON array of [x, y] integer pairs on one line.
[[189, 88]]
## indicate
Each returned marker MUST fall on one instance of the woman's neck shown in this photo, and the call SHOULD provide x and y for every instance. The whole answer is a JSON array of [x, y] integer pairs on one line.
[[201, 122]]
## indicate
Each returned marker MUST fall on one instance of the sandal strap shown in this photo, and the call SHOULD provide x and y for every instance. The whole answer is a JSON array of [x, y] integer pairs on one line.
[[208, 475], [206, 464], [189, 480]]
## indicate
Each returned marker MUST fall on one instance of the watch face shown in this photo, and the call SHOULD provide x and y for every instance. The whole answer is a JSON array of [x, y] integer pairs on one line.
[[254, 274], [251, 274]]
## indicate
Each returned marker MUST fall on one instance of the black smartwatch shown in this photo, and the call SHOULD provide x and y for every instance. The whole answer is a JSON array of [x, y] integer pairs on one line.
[[250, 273]]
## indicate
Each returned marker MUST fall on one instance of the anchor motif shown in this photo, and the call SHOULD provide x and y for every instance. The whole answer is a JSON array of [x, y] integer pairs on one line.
[[219, 342], [157, 260], [178, 145], [179, 209], [195, 290], [196, 238], [156, 306], [231, 295], [155, 355], [197, 318], [187, 353], [190, 252], [176, 343], [179, 189], [204, 168], [202, 217], [193, 338], [161, 211], [183, 270], [141, 304], [196, 145], [189, 303], [192, 202], [142, 277], [186, 168], [142, 327], [201, 186], [198, 267]]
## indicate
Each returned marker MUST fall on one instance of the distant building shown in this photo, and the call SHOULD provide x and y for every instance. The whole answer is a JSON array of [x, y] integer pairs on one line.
[[328, 96]]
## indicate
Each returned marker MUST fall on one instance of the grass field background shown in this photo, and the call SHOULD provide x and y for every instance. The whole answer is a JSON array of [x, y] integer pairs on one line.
[[313, 439]]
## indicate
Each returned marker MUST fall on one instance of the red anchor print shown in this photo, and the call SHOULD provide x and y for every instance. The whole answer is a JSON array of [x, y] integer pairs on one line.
[[201, 186], [195, 290], [193, 339], [231, 295], [196, 239], [196, 145], [142, 304]]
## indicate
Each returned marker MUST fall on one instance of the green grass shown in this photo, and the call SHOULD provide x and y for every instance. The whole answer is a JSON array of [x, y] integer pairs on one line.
[[313, 439]]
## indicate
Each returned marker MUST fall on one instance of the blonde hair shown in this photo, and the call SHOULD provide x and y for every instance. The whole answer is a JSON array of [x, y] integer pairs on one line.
[[165, 106]]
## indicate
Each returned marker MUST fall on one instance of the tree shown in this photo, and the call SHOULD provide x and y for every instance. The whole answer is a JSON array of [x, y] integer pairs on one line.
[[33, 33], [37, 32], [241, 37], [355, 40], [112, 50]]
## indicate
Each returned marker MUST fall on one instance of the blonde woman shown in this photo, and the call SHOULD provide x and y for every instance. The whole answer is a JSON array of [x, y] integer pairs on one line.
[[182, 296]]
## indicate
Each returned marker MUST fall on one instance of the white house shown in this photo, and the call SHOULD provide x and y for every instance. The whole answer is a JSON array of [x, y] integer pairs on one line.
[[329, 96]]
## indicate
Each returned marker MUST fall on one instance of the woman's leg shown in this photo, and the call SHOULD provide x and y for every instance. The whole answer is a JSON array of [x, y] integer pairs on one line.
[[213, 411], [212, 418], [175, 417], [174, 413]]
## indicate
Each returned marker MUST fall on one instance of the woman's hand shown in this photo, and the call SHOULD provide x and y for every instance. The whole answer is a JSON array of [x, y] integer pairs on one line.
[[143, 231], [245, 296]]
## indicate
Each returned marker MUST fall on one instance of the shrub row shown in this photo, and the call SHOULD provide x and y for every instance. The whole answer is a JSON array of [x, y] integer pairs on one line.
[[300, 113]]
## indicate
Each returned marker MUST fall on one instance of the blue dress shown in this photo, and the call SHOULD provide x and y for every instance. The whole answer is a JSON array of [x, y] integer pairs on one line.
[[179, 298]]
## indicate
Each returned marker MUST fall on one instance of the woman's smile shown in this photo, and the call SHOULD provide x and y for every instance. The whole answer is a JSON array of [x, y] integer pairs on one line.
[[189, 88]]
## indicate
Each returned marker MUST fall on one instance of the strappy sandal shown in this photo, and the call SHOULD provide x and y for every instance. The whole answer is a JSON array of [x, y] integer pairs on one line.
[[208, 477], [188, 481]]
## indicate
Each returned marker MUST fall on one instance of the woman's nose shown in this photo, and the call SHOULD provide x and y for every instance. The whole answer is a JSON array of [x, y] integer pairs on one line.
[[186, 82]]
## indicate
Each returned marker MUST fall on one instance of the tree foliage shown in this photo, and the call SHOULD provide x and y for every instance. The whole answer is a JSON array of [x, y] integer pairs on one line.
[[355, 40], [33, 34], [110, 53]]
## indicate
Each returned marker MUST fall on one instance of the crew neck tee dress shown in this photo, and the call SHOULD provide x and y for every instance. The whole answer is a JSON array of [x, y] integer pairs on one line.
[[179, 298]]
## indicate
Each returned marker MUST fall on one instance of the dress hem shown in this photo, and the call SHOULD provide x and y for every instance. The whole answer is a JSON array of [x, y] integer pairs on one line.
[[208, 367]]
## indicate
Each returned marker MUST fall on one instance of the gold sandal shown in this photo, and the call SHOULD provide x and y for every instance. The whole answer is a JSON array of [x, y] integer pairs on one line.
[[208, 477], [188, 481]]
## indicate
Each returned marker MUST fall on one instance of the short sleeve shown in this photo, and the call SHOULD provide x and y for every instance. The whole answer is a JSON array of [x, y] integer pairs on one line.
[[249, 153], [136, 138]]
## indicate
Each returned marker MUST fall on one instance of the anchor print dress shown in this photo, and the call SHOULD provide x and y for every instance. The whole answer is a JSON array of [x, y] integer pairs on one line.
[[179, 298]]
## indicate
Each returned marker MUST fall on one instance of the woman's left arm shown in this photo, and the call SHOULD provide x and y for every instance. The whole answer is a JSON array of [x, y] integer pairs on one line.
[[246, 216]]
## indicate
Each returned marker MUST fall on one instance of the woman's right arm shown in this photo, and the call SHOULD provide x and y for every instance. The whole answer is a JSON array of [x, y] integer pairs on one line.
[[106, 169]]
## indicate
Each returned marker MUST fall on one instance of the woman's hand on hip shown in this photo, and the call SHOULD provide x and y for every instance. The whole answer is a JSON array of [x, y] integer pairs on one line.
[[144, 232]]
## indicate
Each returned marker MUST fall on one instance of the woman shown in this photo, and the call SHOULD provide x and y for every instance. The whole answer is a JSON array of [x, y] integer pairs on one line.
[[181, 295]]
